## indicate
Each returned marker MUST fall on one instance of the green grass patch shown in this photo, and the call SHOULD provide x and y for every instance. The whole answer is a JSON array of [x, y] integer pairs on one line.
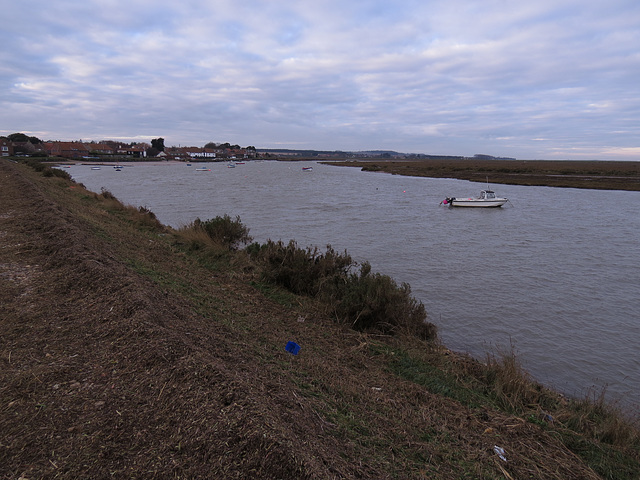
[[435, 379], [275, 293], [204, 303]]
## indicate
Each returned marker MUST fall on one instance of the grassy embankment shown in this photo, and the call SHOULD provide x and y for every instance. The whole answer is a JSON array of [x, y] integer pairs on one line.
[[132, 349], [574, 174]]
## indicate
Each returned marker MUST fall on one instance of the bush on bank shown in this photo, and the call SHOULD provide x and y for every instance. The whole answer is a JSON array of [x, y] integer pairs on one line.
[[46, 170], [301, 271], [224, 230], [373, 301], [366, 301]]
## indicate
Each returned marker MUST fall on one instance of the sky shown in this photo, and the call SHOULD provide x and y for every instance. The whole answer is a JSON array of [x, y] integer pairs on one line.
[[544, 79]]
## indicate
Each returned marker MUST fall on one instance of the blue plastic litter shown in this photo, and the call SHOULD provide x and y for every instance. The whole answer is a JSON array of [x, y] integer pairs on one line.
[[292, 347]]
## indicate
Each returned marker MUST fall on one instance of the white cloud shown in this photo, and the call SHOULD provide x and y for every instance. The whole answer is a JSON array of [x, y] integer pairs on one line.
[[456, 75]]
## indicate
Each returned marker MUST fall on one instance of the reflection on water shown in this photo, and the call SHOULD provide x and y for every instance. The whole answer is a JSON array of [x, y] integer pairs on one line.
[[555, 272]]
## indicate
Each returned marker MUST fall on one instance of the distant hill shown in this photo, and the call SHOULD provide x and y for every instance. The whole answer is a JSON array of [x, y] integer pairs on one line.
[[285, 152]]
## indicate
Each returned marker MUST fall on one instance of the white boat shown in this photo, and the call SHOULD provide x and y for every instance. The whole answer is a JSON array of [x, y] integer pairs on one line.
[[203, 169], [307, 169], [486, 199]]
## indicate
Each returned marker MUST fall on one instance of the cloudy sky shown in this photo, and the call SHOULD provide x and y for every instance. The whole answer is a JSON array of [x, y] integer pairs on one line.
[[548, 79]]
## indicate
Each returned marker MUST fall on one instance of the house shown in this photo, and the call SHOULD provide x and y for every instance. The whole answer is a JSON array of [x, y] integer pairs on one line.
[[237, 152], [101, 149], [138, 150], [194, 152], [6, 148], [67, 149]]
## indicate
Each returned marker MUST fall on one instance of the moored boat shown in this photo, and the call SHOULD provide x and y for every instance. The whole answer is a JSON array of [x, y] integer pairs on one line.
[[486, 199]]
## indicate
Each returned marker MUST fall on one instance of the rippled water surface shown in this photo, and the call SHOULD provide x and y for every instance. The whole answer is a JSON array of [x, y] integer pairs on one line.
[[556, 272]]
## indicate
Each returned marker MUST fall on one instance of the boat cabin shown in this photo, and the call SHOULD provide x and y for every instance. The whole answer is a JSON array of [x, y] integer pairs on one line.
[[487, 195]]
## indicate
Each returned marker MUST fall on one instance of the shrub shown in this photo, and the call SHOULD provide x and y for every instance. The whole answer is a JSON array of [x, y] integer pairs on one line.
[[106, 194], [223, 230], [195, 238], [145, 218], [35, 164], [363, 300], [302, 271], [56, 172], [372, 301], [46, 170]]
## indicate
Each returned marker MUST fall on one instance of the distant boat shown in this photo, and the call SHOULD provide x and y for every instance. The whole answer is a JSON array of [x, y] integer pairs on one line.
[[95, 168], [203, 169], [486, 199], [307, 169], [188, 164], [231, 165]]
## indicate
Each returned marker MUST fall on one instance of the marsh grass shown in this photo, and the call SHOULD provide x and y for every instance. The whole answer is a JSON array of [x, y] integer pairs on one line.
[[575, 174], [592, 415], [511, 386], [596, 430], [514, 390]]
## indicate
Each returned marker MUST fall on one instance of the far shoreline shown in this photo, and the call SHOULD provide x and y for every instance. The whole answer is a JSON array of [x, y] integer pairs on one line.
[[583, 174], [599, 175]]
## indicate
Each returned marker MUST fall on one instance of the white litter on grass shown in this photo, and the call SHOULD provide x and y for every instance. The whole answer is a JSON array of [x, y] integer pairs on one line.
[[500, 452]]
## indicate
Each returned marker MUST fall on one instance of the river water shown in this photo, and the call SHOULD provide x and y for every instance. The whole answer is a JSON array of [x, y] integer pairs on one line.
[[555, 273]]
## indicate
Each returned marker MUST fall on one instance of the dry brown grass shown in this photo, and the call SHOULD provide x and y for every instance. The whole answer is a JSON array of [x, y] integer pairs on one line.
[[605, 421], [512, 386]]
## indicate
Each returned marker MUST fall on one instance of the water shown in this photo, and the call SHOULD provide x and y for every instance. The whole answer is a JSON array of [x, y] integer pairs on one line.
[[555, 273]]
